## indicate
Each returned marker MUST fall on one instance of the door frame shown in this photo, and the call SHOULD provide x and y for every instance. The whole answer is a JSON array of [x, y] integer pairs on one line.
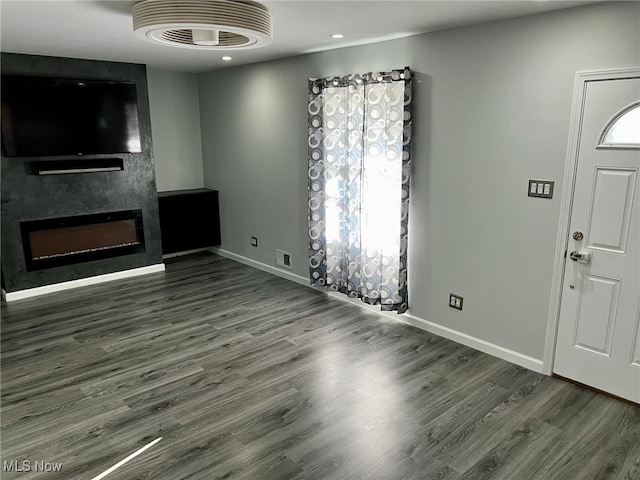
[[566, 201]]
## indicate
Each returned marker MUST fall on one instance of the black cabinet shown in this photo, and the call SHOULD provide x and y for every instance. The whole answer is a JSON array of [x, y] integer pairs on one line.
[[189, 219]]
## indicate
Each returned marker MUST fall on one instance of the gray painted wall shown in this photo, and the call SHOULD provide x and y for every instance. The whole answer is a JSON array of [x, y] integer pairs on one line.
[[29, 197], [491, 107], [175, 123]]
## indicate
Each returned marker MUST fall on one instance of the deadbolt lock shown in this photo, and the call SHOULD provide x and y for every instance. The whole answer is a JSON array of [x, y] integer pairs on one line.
[[578, 236]]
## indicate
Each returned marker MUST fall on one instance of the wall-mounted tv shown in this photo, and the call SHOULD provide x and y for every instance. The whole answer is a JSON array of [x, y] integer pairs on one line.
[[44, 116]]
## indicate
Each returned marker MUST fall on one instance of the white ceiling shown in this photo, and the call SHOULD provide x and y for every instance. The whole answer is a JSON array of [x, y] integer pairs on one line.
[[102, 29]]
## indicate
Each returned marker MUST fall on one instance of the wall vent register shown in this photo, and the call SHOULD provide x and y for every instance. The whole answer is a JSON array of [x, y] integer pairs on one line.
[[283, 259]]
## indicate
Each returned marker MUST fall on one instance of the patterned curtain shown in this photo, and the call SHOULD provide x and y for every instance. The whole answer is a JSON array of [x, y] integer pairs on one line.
[[359, 167]]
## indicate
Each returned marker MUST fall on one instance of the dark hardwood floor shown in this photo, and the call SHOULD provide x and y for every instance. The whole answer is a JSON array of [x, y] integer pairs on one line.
[[249, 376]]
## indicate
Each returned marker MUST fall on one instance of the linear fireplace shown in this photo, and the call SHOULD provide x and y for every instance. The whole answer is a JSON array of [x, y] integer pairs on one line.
[[63, 241]]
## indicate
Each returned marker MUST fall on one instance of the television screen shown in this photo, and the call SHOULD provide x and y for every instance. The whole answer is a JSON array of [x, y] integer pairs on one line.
[[44, 116]]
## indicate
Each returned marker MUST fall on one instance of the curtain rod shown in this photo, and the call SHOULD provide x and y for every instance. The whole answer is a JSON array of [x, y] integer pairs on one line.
[[366, 78]]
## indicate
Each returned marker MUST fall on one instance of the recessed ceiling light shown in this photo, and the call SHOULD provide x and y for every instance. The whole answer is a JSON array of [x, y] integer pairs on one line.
[[227, 58], [337, 35]]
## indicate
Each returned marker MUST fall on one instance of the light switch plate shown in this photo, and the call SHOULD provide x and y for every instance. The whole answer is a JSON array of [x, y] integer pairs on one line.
[[540, 188]]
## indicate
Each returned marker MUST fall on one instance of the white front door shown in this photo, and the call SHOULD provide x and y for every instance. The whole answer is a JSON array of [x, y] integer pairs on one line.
[[598, 341]]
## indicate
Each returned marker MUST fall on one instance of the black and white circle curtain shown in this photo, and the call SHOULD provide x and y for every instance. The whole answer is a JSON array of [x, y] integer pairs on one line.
[[359, 168]]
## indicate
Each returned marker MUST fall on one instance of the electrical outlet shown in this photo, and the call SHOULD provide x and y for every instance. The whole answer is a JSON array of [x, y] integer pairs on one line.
[[455, 301], [254, 241]]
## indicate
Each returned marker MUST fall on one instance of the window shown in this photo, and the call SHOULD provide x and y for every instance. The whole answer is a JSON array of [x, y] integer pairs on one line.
[[359, 164], [623, 131]]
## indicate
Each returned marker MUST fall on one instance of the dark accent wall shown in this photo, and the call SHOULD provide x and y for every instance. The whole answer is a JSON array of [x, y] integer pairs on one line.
[[26, 196]]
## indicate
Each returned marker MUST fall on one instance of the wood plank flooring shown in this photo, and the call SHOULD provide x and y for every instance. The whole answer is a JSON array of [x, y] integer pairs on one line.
[[249, 376]]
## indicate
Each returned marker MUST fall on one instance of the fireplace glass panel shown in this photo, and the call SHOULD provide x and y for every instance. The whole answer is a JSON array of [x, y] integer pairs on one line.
[[82, 239], [56, 242]]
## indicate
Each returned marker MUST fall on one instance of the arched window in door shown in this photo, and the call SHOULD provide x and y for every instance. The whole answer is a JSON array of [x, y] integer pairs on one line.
[[623, 130]]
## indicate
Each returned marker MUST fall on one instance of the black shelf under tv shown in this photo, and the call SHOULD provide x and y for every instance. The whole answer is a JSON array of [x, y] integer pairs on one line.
[[189, 219]]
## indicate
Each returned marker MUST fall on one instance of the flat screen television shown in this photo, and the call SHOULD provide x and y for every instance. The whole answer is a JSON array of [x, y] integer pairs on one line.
[[44, 116]]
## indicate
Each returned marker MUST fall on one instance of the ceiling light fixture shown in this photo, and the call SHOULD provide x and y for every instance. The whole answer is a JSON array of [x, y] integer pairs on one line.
[[226, 58], [203, 24], [337, 35]]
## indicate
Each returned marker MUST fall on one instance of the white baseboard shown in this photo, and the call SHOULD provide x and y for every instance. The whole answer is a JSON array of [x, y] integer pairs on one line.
[[186, 252], [81, 282], [473, 342], [459, 337], [450, 334], [289, 275]]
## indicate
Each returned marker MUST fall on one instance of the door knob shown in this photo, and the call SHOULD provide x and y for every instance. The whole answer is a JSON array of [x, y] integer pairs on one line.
[[582, 257]]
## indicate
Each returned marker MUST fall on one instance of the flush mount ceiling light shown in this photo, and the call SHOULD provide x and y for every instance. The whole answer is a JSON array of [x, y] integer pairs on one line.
[[203, 24]]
